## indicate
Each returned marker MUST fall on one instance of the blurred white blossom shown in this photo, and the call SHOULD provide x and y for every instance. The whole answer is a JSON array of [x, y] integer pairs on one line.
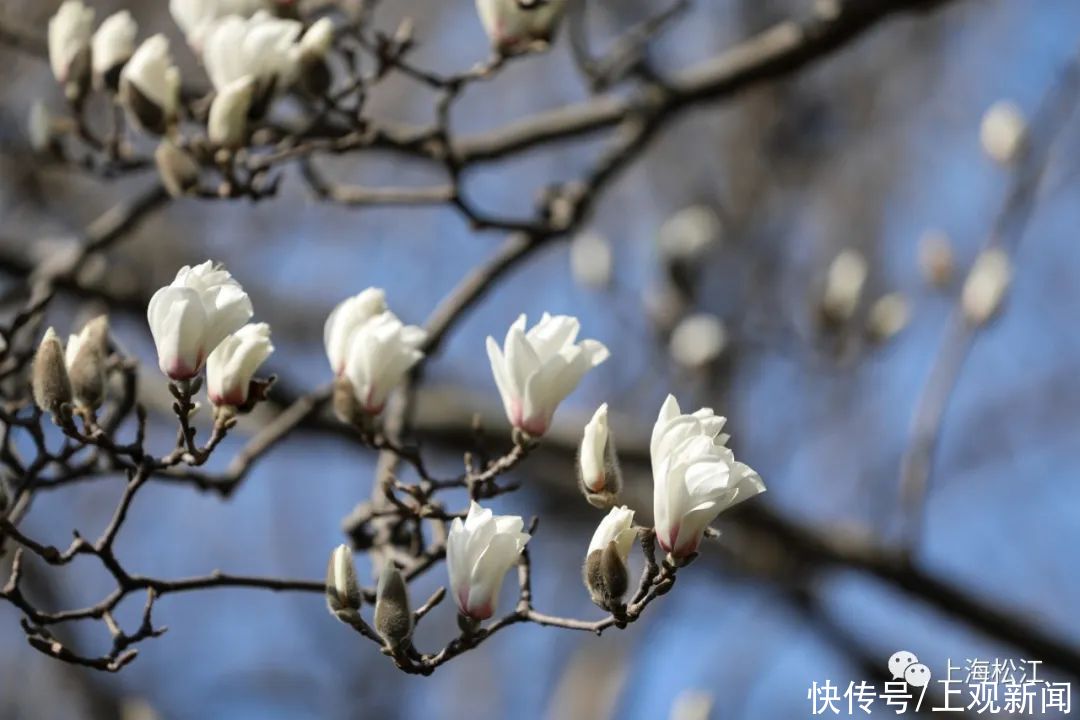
[[262, 47], [70, 31], [227, 125], [196, 16], [688, 235], [150, 85], [844, 285], [113, 45], [986, 285], [591, 260], [698, 341], [888, 316], [1003, 132], [515, 26]]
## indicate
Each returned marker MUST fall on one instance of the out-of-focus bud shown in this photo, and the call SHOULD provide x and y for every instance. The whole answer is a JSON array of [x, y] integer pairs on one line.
[[606, 574], [70, 30], [342, 588], [986, 285], [42, 130], [313, 72], [262, 46], [591, 260], [843, 286], [1003, 132], [517, 26], [698, 341], [345, 320], [49, 378], [888, 316], [150, 85], [393, 613], [936, 258], [228, 121], [688, 235], [694, 704], [197, 17], [178, 170], [113, 45], [598, 466], [231, 367], [85, 358]]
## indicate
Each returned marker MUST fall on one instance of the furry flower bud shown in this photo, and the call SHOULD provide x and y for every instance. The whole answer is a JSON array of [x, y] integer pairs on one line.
[[85, 358], [177, 168], [598, 466], [606, 574], [342, 588], [49, 378], [393, 613]]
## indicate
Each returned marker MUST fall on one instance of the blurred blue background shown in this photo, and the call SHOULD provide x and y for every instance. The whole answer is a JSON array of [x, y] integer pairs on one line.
[[867, 150]]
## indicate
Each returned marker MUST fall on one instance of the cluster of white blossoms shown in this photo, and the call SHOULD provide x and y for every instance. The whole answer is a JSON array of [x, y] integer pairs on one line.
[[250, 54], [200, 320]]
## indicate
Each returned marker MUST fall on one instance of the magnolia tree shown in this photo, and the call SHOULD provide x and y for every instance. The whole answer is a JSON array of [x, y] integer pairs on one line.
[[282, 82]]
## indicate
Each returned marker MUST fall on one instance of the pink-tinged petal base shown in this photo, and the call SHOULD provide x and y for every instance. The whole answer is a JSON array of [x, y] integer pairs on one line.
[[534, 426], [179, 371], [480, 612]]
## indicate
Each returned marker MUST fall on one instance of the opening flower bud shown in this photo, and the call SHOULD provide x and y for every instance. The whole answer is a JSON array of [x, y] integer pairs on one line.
[[607, 576], [599, 476], [342, 589]]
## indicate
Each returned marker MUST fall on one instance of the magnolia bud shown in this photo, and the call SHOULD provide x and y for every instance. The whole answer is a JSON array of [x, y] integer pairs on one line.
[[314, 74], [1003, 132], [591, 260], [843, 286], [150, 85], [51, 385], [113, 45], [606, 576], [986, 285], [393, 615], [69, 36], [599, 476], [342, 588], [178, 170], [85, 359], [605, 573], [698, 341], [888, 316], [227, 124], [936, 258]]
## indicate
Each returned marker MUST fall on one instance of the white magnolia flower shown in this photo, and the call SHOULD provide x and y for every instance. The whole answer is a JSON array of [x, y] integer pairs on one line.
[[69, 41], [227, 124], [345, 320], [616, 527], [593, 457], [189, 317], [262, 47], [1003, 132], [113, 46], [233, 363], [514, 26], [695, 477], [536, 370], [381, 352], [196, 16], [479, 552], [150, 84]]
